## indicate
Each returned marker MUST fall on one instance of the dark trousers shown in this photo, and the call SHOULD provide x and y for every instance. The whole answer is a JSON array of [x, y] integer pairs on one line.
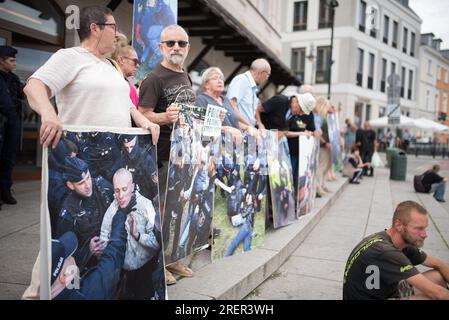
[[138, 284], [366, 157], [8, 152]]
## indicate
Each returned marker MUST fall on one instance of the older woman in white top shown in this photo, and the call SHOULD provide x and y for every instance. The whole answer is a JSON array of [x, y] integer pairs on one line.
[[87, 87]]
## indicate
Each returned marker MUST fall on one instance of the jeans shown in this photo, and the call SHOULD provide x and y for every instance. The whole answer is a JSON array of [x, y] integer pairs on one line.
[[438, 190], [245, 234]]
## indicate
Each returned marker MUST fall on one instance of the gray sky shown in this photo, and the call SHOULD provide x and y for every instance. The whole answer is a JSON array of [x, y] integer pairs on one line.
[[434, 14]]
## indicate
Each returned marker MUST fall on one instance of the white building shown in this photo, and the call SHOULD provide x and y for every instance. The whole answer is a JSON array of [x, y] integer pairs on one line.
[[371, 40]]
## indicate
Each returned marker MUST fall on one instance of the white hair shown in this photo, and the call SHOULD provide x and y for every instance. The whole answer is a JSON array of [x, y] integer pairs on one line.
[[173, 27], [207, 72], [307, 88], [260, 64], [122, 172]]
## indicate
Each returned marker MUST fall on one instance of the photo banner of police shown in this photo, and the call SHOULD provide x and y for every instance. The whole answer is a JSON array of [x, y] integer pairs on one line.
[[281, 181], [309, 149], [334, 138], [190, 184], [240, 199], [102, 201], [150, 18]]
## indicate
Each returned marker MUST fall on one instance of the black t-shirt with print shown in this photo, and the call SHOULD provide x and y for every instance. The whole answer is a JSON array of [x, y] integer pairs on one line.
[[299, 124], [394, 265], [430, 177], [275, 111], [158, 90]]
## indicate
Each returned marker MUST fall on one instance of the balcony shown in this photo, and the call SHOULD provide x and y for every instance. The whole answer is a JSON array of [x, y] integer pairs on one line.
[[382, 86], [300, 26], [370, 82], [442, 116], [324, 24], [359, 79]]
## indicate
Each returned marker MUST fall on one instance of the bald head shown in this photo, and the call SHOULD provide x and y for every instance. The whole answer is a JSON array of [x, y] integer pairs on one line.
[[123, 187], [260, 65]]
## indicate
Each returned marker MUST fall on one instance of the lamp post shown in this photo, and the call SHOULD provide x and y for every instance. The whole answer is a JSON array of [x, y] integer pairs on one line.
[[332, 4]]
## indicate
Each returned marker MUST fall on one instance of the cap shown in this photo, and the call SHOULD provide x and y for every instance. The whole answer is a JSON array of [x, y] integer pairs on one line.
[[7, 51], [306, 102], [75, 169], [61, 249]]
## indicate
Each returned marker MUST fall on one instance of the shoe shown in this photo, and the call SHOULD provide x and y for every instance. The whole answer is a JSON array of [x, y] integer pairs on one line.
[[318, 195], [440, 200], [216, 232], [181, 269], [325, 189], [169, 278], [7, 196], [354, 182]]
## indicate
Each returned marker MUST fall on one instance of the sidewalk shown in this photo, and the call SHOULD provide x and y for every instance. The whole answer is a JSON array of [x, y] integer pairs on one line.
[[315, 269]]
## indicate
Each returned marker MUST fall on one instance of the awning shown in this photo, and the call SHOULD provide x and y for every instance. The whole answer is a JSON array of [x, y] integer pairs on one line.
[[405, 122], [220, 30], [432, 126]]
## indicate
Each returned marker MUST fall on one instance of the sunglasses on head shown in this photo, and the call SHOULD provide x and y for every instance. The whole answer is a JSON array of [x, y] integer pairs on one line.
[[171, 43], [135, 60]]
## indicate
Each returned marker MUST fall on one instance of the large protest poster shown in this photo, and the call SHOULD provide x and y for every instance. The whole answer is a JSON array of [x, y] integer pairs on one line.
[[281, 180], [190, 184], [334, 137], [309, 149], [101, 200], [240, 199], [150, 18]]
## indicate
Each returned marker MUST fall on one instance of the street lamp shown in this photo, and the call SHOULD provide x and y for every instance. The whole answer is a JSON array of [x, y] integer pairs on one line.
[[332, 4]]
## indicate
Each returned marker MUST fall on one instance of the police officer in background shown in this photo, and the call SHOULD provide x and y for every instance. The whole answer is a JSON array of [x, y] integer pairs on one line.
[[83, 210], [11, 96]]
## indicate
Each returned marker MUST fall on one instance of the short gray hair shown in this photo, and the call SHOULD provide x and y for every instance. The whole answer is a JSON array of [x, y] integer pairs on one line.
[[206, 73], [173, 27], [260, 64]]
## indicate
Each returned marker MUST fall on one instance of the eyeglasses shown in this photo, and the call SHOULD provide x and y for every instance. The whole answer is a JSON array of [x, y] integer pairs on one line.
[[171, 43], [216, 78], [135, 60], [268, 73], [108, 24]]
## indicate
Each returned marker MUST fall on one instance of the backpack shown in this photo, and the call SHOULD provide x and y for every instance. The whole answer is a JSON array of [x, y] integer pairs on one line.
[[417, 183]]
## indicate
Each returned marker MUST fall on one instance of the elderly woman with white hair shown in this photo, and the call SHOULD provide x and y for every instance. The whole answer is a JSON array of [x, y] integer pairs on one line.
[[213, 86]]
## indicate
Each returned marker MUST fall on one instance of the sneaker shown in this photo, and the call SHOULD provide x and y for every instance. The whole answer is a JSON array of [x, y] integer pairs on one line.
[[169, 278], [440, 200], [354, 182], [180, 269], [7, 197]]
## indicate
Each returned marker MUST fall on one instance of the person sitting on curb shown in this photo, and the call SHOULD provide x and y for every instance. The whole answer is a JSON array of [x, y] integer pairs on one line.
[[354, 165], [382, 266], [434, 183]]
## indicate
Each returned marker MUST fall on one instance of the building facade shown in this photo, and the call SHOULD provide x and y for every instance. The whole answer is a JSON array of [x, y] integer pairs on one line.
[[372, 39]]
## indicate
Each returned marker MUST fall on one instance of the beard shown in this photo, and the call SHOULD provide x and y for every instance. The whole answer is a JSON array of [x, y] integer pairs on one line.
[[409, 240], [177, 59]]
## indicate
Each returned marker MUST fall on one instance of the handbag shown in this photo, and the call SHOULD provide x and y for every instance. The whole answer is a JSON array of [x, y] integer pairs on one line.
[[417, 184]]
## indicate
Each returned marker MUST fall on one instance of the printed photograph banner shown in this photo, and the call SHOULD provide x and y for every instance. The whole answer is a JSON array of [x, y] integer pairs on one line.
[[190, 185], [150, 18], [103, 207], [240, 198], [281, 180], [334, 137], [309, 149]]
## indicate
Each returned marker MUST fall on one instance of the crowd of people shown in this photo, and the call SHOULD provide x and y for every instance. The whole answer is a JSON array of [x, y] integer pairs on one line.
[[94, 75]]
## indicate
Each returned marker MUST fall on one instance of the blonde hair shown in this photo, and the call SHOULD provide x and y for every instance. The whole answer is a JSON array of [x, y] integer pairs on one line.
[[321, 106], [122, 48]]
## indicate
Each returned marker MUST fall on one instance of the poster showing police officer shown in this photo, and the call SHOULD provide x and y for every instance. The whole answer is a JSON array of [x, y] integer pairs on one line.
[[102, 197], [281, 180], [308, 165], [240, 198], [150, 18], [190, 184], [334, 138]]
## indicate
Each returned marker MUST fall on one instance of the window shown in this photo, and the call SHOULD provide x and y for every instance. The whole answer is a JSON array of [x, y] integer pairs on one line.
[[371, 71], [427, 99], [402, 82], [300, 16], [322, 64], [438, 73], [298, 62], [359, 77], [325, 20], [429, 68], [404, 40], [395, 34], [373, 15], [368, 112], [393, 68], [446, 76], [382, 111], [410, 85], [362, 16], [383, 78], [386, 29], [444, 106], [412, 44]]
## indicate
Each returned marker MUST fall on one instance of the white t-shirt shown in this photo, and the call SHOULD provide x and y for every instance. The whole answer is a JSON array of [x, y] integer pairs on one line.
[[88, 91]]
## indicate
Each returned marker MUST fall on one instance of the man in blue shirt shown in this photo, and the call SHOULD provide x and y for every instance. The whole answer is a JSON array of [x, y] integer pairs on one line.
[[242, 90]]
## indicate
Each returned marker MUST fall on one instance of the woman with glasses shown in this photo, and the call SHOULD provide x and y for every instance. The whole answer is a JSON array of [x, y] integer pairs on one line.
[[127, 62], [87, 87]]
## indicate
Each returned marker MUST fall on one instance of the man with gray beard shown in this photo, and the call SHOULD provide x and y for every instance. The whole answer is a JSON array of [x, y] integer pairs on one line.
[[382, 266], [165, 86]]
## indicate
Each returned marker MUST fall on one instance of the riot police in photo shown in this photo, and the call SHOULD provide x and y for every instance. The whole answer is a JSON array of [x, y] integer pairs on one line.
[[101, 152], [83, 210], [142, 246], [140, 161]]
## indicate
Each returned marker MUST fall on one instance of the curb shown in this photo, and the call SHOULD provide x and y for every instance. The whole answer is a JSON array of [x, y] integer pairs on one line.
[[235, 277]]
